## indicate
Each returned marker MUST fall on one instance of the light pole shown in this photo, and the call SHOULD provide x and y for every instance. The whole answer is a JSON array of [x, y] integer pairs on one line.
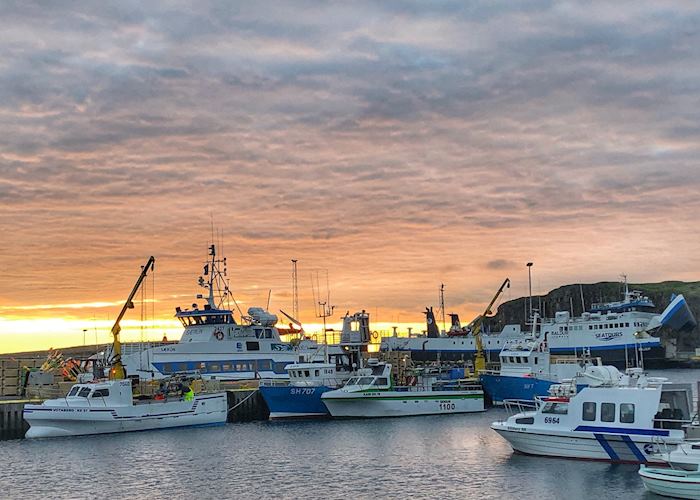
[[529, 284]]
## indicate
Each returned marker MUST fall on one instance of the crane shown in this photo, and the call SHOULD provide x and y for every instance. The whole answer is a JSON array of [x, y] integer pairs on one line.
[[117, 371], [479, 359]]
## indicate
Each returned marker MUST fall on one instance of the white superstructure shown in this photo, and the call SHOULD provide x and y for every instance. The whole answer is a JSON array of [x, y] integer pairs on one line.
[[217, 346]]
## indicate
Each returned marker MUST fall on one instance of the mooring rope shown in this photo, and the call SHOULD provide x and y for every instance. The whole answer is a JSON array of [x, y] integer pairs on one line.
[[243, 400]]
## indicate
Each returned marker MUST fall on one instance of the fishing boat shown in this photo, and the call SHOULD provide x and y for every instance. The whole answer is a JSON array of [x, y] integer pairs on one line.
[[109, 406], [217, 346], [616, 418], [106, 406], [681, 479], [527, 369], [371, 394], [300, 397], [613, 331]]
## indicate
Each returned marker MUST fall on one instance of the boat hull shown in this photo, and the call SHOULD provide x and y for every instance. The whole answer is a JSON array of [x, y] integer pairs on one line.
[[401, 404], [500, 387], [617, 448], [55, 421], [671, 483], [295, 402]]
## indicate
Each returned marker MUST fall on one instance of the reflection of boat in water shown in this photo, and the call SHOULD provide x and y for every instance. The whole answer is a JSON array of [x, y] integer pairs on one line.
[[371, 393], [309, 380], [616, 418], [109, 406], [527, 369], [217, 346], [682, 479], [613, 331]]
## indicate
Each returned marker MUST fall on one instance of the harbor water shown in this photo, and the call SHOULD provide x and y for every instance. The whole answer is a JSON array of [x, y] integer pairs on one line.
[[447, 456]]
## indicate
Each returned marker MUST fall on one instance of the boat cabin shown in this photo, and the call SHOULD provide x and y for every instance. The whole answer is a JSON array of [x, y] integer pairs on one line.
[[104, 393], [377, 376]]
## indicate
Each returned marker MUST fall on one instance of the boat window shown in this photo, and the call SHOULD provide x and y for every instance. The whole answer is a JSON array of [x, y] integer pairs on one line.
[[607, 412], [365, 381], [167, 368], [512, 360], [525, 420], [627, 413], [214, 367], [589, 411], [84, 391], [351, 381], [627, 325], [100, 393], [536, 359], [268, 333], [316, 373], [252, 346], [264, 365], [226, 367], [381, 381], [202, 365], [73, 390], [590, 327], [258, 332], [306, 373], [557, 408], [183, 367]]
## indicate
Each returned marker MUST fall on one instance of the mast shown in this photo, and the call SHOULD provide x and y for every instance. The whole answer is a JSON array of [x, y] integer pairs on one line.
[[295, 291], [117, 372], [442, 305]]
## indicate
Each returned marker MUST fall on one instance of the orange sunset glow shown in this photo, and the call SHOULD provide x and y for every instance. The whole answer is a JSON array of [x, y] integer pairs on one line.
[[395, 148]]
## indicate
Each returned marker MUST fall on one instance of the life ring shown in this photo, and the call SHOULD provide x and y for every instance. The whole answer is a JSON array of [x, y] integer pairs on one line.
[[375, 335], [219, 335]]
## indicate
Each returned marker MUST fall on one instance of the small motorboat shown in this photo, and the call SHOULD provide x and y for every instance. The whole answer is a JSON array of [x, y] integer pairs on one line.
[[109, 406], [371, 393], [682, 480], [626, 418]]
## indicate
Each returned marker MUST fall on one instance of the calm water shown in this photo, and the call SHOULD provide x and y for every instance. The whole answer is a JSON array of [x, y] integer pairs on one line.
[[451, 456]]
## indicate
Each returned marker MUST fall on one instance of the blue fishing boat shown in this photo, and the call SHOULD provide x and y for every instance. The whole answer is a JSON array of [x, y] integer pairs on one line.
[[300, 396]]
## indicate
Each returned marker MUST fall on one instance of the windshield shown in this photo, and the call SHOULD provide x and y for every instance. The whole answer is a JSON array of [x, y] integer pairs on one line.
[[351, 381], [365, 381]]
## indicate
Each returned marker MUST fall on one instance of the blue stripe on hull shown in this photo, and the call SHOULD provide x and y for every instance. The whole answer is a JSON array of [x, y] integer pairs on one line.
[[606, 446], [295, 401]]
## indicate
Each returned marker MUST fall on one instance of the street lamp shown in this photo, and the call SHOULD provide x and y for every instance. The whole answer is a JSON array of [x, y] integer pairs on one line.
[[529, 284]]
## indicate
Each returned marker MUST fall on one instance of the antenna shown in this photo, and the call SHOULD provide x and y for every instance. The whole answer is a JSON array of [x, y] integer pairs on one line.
[[324, 309], [269, 294], [442, 305], [295, 291]]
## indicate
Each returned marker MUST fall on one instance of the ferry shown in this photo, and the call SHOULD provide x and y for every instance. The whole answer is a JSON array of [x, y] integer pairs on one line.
[[217, 346], [300, 397], [527, 369], [613, 331], [626, 418], [371, 394], [109, 406]]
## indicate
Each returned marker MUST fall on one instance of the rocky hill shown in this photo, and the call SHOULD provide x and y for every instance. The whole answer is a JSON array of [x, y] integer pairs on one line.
[[568, 298]]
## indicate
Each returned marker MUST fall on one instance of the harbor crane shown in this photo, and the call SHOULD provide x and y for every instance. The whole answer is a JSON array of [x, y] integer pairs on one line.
[[117, 371], [479, 358]]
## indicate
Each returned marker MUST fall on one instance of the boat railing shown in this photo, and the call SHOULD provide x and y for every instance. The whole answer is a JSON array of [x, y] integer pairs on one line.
[[514, 406], [437, 387]]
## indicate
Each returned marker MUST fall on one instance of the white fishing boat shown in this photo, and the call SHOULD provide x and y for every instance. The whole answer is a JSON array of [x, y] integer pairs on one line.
[[217, 346], [106, 406], [109, 406], [681, 479], [615, 417], [372, 394]]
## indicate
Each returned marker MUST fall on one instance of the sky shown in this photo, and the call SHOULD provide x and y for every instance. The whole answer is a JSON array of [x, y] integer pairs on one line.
[[394, 145]]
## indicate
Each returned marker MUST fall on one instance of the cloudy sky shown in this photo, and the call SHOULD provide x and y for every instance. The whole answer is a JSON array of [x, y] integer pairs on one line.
[[397, 145]]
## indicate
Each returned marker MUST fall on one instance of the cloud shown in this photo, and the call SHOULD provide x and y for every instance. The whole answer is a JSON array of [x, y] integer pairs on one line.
[[398, 144]]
